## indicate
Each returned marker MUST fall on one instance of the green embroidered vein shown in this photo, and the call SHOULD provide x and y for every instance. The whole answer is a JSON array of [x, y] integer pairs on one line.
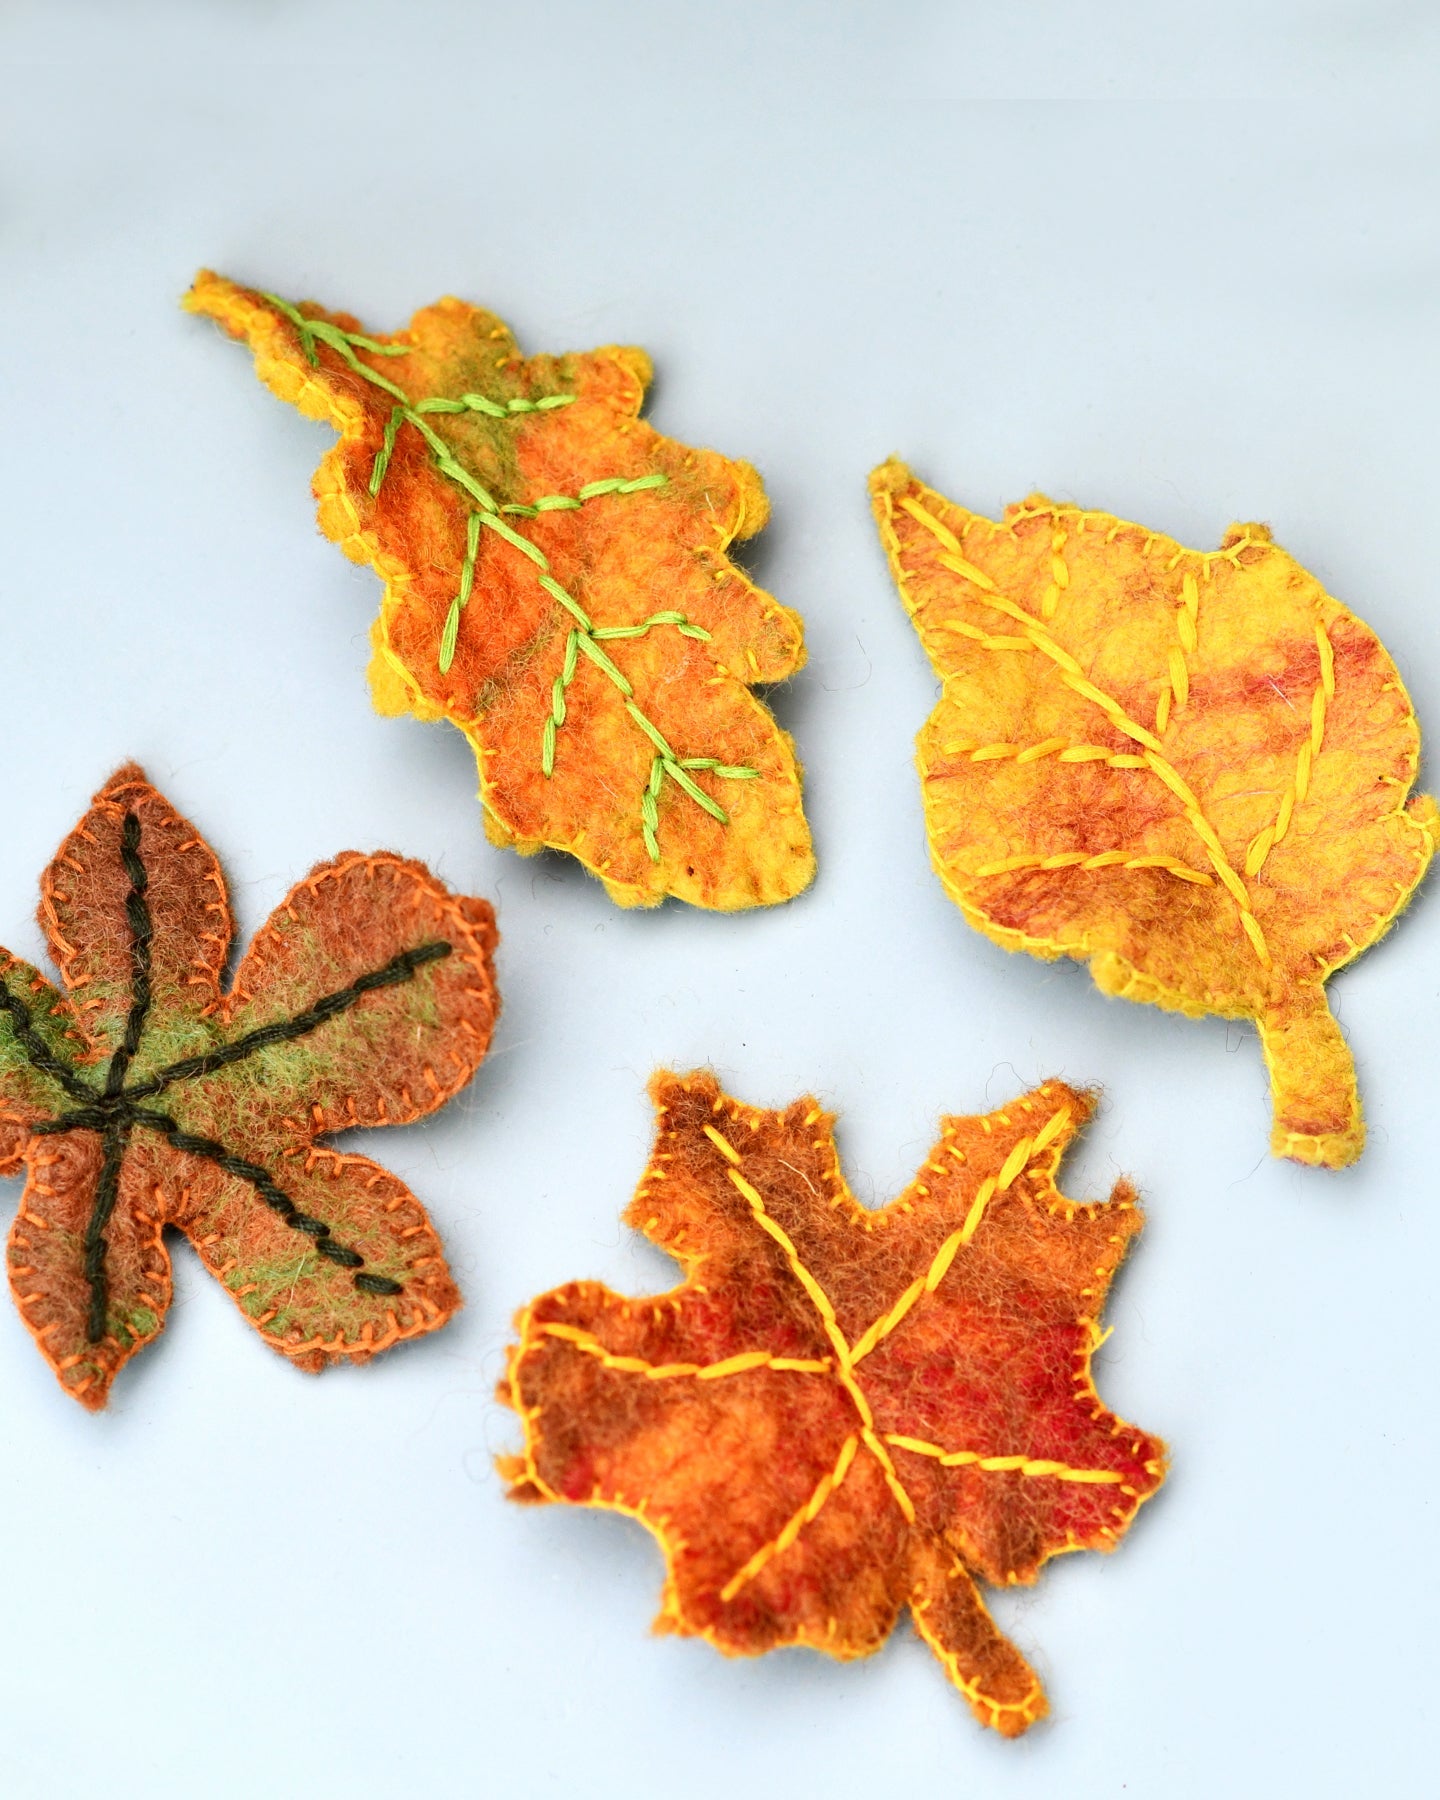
[[585, 636]]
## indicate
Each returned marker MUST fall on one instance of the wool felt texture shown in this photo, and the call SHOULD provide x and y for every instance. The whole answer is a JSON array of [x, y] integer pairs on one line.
[[844, 1412], [148, 1097], [557, 586], [1189, 768]]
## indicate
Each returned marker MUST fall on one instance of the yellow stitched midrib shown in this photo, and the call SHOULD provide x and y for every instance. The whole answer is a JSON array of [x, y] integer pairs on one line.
[[1078, 682], [796, 1523], [844, 1372], [1021, 1154], [1034, 1467], [1265, 841], [743, 1363], [1017, 1159]]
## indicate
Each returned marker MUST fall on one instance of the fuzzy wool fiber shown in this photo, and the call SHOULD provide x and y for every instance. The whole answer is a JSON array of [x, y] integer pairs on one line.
[[844, 1412]]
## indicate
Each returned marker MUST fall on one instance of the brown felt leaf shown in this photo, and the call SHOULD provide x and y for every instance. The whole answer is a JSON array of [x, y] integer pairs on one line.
[[842, 1412], [557, 586], [149, 1097], [1189, 768]]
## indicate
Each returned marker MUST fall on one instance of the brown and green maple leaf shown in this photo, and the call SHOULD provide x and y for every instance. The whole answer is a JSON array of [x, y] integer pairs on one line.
[[841, 1413], [557, 587], [148, 1096]]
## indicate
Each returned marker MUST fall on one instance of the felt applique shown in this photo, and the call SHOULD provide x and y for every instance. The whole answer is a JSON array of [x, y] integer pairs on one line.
[[844, 1412], [1189, 768], [149, 1097], [556, 585]]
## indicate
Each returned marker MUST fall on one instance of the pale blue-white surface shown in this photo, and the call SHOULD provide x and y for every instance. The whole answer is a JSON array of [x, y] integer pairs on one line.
[[1179, 263]]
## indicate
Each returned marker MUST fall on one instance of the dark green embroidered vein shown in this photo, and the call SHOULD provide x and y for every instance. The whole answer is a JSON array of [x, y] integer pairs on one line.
[[116, 1134], [270, 1192], [83, 1118], [114, 1112], [399, 968], [141, 937], [116, 1139], [37, 1052]]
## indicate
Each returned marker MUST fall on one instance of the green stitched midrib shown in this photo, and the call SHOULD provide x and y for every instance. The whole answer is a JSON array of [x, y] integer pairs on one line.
[[485, 512]]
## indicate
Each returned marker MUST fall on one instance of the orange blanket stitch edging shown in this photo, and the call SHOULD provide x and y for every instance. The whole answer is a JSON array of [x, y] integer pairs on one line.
[[840, 1412], [1189, 768], [148, 1097], [557, 587]]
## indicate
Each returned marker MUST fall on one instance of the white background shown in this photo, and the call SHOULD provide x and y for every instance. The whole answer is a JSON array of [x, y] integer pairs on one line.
[[1175, 262]]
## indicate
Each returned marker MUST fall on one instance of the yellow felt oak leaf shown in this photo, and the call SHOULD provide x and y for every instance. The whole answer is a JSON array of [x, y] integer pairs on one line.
[[841, 1413], [148, 1096], [557, 586], [1189, 768]]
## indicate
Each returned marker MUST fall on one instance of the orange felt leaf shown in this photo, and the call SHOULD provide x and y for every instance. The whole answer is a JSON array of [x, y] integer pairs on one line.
[[148, 1096], [1188, 768], [557, 586], [843, 1412]]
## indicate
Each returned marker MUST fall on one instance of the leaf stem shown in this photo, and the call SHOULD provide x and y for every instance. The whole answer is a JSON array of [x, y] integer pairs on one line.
[[1312, 1082]]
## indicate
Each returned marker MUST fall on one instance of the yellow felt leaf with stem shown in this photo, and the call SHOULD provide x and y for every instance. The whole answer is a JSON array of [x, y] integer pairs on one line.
[[557, 586], [1190, 769]]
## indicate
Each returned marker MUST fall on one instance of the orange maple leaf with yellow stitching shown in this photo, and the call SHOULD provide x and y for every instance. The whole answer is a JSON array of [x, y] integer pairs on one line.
[[843, 1412], [557, 586], [1189, 768], [147, 1096]]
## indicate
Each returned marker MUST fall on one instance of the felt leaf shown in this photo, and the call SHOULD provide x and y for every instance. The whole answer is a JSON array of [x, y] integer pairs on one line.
[[557, 586], [843, 1412], [1189, 768], [149, 1097]]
